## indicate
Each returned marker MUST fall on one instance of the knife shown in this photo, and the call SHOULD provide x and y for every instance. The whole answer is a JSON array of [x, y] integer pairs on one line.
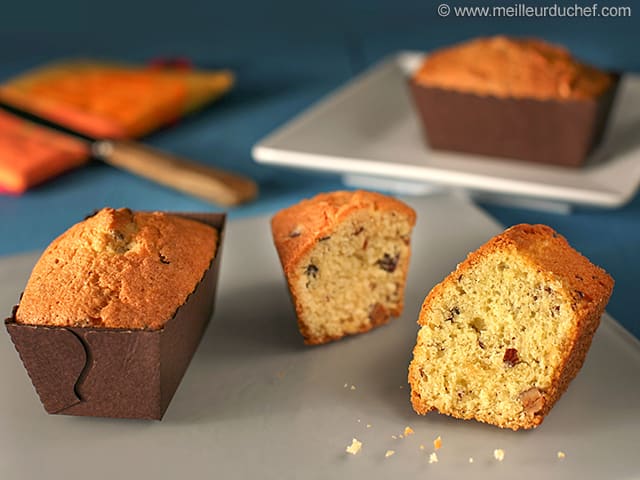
[[187, 176]]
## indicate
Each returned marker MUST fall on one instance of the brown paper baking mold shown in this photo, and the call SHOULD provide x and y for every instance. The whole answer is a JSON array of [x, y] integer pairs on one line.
[[118, 373], [560, 132]]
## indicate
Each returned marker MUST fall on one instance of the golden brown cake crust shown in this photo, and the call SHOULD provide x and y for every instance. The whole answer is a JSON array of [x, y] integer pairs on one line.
[[118, 269], [298, 228], [587, 286], [512, 68]]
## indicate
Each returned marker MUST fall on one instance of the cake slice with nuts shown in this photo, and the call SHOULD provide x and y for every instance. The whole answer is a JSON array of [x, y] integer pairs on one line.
[[345, 256], [503, 335]]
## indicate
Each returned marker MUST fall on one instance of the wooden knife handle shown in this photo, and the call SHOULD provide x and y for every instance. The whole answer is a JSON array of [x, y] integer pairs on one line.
[[202, 181]]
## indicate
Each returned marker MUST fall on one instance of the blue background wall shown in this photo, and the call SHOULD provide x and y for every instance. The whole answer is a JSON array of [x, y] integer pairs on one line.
[[287, 54]]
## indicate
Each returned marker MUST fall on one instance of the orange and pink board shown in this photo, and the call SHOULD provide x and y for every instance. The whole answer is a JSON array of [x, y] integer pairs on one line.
[[99, 99]]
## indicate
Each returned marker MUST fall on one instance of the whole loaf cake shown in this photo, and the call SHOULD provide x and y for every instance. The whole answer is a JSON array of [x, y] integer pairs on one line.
[[512, 98]]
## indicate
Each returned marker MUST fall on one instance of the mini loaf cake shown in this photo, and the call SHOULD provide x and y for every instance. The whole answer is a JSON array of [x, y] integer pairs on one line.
[[512, 68], [345, 256], [503, 335], [115, 309], [118, 269], [514, 98]]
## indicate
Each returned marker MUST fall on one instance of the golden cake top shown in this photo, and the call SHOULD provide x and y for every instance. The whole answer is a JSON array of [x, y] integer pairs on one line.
[[118, 269], [512, 68]]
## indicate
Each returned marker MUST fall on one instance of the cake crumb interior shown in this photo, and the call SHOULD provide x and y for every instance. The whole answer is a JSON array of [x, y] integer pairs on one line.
[[492, 341], [354, 277]]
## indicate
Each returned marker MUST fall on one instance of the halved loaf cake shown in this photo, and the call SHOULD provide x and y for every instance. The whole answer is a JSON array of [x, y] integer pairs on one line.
[[345, 256], [503, 335]]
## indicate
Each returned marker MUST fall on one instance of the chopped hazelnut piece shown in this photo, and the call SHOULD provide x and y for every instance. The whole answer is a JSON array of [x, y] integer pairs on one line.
[[532, 401]]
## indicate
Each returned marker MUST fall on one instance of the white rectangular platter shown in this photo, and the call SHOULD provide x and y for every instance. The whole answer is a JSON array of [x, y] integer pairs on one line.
[[256, 403], [369, 128]]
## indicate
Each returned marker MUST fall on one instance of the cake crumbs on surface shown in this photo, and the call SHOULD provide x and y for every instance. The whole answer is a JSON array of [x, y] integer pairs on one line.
[[389, 453], [395, 437], [355, 446], [561, 454], [437, 443], [368, 425], [400, 436], [498, 454], [401, 387], [346, 385], [358, 420], [470, 459], [408, 431], [433, 458], [353, 387], [421, 447]]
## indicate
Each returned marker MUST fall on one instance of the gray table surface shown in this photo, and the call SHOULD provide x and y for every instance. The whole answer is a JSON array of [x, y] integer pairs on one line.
[[257, 403]]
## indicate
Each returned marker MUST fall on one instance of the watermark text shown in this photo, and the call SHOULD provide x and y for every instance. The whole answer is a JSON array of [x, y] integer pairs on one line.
[[525, 10]]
